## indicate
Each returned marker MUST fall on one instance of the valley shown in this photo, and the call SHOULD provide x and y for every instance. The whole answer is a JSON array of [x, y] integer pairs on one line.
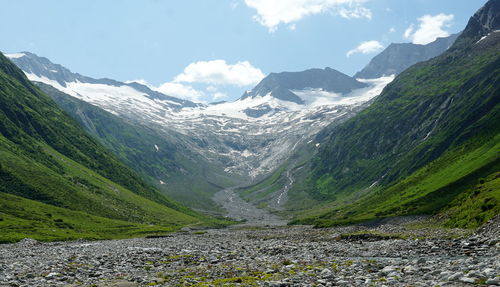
[[389, 177]]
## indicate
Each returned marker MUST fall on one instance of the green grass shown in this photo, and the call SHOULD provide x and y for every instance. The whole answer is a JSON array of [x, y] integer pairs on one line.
[[58, 183], [422, 147], [187, 177], [23, 218], [472, 208], [267, 186], [82, 189], [464, 185]]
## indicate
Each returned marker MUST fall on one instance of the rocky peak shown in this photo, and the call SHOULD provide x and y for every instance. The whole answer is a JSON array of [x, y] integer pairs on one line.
[[282, 85], [485, 21]]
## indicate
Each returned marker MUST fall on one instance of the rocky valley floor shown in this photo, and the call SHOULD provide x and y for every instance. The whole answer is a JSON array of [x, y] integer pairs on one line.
[[384, 254]]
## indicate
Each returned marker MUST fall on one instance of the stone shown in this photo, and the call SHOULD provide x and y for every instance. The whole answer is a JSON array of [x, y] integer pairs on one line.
[[52, 275], [493, 281], [410, 269], [468, 279], [489, 272], [325, 273], [455, 276], [388, 269]]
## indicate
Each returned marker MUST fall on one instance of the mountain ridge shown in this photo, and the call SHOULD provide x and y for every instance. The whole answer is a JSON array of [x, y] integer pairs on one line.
[[281, 85], [397, 57]]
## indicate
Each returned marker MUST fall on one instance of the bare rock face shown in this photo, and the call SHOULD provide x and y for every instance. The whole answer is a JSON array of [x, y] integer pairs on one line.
[[398, 57]]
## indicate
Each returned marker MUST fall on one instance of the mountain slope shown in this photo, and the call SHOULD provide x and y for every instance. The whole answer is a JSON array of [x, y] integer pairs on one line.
[[391, 153], [43, 68], [398, 57], [159, 156], [233, 142], [47, 157]]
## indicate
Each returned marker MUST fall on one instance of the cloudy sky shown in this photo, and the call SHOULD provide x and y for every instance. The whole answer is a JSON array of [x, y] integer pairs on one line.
[[212, 50]]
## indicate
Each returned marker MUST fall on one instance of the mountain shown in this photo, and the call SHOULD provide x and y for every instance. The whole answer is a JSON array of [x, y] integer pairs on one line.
[[95, 91], [160, 157], [429, 143], [282, 85], [244, 139], [57, 182], [398, 57]]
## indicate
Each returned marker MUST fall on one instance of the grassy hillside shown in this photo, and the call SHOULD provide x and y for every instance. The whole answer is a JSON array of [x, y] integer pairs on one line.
[[158, 156], [46, 157], [424, 142]]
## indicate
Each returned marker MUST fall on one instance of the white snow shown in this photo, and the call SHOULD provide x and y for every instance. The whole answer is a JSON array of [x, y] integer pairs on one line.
[[486, 36], [282, 130], [15, 55]]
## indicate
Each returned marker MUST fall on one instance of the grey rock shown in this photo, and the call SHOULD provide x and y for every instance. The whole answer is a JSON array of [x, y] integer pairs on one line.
[[455, 276], [468, 279], [493, 281]]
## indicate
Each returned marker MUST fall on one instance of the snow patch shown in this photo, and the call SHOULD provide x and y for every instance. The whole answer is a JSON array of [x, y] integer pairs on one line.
[[15, 55], [486, 36]]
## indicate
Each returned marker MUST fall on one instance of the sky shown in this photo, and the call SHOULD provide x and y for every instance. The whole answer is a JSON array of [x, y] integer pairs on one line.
[[213, 50]]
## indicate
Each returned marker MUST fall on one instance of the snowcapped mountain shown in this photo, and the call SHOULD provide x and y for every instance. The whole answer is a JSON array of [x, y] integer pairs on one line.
[[100, 92], [250, 136], [282, 85]]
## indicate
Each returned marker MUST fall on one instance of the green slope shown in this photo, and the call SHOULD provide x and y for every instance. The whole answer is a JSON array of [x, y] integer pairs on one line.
[[186, 176], [21, 218], [428, 138], [46, 157]]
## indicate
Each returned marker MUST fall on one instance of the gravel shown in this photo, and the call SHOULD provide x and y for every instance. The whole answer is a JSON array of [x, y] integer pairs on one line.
[[272, 256]]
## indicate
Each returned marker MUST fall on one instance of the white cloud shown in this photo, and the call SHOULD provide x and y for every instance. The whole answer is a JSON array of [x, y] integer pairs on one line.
[[356, 12], [367, 47], [219, 96], [181, 91], [429, 28], [272, 13], [218, 72], [392, 30], [408, 32]]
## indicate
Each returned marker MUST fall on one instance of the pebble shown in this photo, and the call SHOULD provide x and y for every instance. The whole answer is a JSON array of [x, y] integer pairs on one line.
[[274, 256]]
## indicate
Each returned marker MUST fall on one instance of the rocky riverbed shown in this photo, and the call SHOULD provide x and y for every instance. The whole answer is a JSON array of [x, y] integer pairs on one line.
[[239, 209], [384, 254]]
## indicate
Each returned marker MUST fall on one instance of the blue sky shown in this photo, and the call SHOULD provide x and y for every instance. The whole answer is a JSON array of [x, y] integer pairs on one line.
[[211, 50]]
